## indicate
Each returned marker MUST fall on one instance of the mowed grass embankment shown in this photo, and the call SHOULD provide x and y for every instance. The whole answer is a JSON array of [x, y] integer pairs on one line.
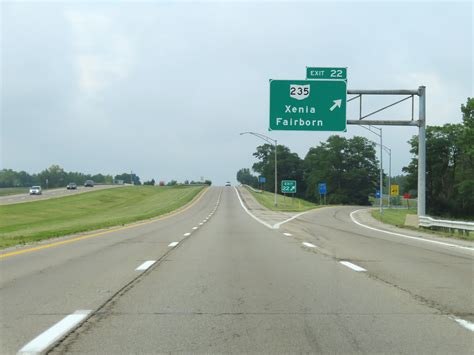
[[285, 204], [396, 217], [24, 223], [6, 191]]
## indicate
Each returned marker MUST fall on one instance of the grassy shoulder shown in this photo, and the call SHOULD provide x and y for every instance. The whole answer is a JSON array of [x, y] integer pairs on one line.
[[285, 204], [34, 221], [6, 191], [396, 217]]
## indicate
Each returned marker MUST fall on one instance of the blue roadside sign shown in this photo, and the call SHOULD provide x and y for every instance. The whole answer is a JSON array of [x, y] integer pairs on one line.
[[377, 194], [262, 179], [322, 188]]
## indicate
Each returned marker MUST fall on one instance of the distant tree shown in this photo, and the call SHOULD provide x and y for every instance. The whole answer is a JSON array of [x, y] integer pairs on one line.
[[208, 182], [449, 166], [289, 166], [172, 183], [150, 182], [347, 166], [54, 176], [245, 177]]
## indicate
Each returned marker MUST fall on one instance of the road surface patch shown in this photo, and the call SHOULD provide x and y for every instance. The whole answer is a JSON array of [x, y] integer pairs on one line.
[[352, 266], [406, 236], [145, 265], [309, 245], [53, 334]]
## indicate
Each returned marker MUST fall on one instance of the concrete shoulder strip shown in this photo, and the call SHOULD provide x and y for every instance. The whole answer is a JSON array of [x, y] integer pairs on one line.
[[407, 236]]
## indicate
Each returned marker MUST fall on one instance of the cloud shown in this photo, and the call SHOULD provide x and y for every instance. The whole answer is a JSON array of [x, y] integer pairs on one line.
[[103, 54]]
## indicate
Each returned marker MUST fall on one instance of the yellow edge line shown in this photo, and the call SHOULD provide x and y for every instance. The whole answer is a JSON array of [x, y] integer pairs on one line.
[[160, 218]]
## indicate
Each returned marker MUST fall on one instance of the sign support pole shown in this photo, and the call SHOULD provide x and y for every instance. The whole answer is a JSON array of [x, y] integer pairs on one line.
[[276, 179], [422, 153]]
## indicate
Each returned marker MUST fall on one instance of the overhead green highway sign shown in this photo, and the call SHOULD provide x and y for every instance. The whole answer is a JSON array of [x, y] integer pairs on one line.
[[326, 73], [308, 105], [288, 186]]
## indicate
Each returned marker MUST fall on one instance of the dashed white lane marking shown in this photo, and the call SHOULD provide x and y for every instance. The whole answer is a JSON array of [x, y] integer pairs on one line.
[[201, 224], [309, 245], [173, 244], [145, 265], [186, 234], [288, 234], [56, 332], [195, 228], [406, 236], [466, 324], [352, 266]]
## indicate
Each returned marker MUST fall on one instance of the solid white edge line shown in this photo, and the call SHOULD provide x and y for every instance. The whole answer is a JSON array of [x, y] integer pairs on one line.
[[288, 234], [53, 334], [352, 266], [145, 265], [173, 244], [406, 236], [277, 225], [250, 214], [466, 324], [309, 245], [186, 234]]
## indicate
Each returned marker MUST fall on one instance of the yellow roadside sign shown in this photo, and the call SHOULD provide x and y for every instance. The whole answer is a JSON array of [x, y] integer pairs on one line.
[[394, 190]]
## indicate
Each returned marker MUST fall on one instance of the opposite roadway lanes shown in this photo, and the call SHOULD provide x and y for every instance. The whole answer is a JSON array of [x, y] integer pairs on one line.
[[213, 279], [51, 193]]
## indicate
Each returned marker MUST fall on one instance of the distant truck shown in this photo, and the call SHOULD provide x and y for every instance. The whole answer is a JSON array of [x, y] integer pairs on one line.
[[162, 183]]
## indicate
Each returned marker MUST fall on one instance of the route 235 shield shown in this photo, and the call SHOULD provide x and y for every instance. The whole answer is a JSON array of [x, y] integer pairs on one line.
[[299, 92]]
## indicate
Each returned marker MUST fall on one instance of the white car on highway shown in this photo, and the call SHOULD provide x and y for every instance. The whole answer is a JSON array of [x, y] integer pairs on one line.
[[35, 190]]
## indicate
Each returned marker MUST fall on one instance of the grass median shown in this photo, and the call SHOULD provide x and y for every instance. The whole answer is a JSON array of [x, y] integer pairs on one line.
[[6, 191], [24, 223], [285, 204]]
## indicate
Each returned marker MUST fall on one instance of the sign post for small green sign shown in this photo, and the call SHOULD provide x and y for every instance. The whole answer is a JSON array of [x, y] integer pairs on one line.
[[308, 105], [326, 73]]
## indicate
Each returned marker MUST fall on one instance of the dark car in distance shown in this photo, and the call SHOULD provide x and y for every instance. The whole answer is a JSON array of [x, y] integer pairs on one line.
[[71, 186], [89, 183]]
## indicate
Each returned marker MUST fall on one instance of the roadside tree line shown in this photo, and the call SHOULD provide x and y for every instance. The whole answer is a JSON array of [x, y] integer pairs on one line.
[[347, 166], [350, 169], [449, 166], [55, 176]]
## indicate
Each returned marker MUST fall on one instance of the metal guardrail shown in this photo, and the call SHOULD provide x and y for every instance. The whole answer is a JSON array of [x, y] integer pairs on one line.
[[428, 222]]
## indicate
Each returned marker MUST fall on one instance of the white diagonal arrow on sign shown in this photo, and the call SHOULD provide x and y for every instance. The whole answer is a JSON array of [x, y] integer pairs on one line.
[[337, 103]]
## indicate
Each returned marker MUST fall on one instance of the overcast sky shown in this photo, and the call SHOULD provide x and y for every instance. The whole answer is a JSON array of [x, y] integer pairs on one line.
[[164, 88]]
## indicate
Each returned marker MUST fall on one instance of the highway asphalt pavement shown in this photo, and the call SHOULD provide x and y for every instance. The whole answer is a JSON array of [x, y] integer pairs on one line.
[[217, 278]]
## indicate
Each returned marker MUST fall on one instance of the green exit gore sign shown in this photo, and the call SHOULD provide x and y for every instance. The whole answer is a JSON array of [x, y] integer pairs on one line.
[[308, 105], [288, 186], [326, 73]]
